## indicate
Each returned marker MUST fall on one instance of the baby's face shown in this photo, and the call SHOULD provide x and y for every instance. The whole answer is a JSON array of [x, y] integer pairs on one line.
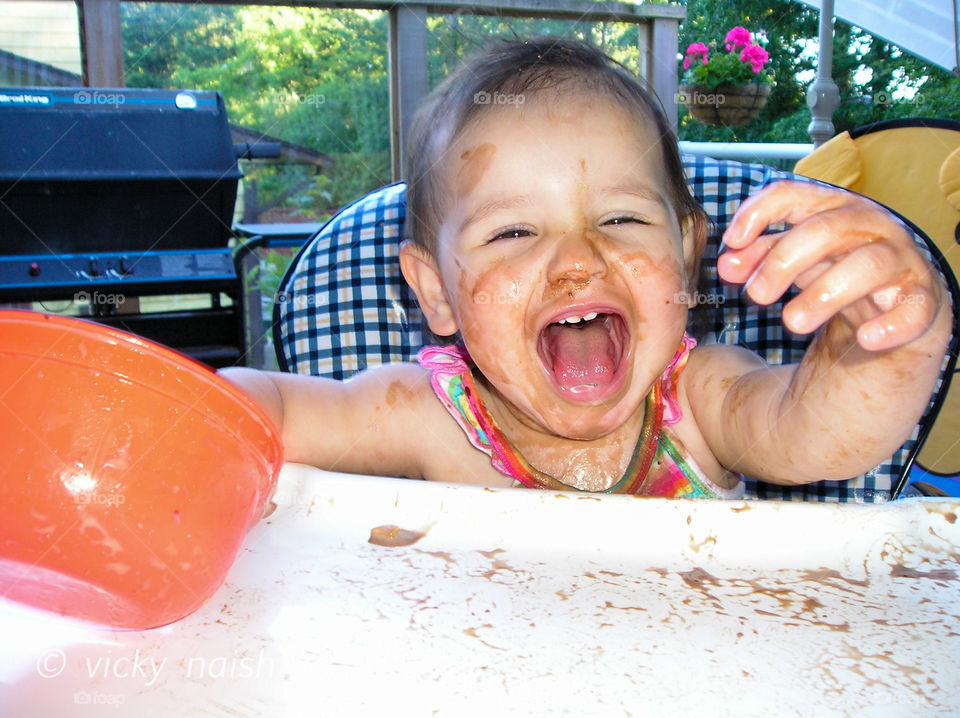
[[562, 260]]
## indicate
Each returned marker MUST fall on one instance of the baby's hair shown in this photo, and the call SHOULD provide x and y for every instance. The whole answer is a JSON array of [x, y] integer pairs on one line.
[[521, 68]]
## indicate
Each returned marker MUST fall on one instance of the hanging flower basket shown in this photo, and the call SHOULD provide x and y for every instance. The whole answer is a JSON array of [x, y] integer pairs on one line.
[[724, 105], [728, 87]]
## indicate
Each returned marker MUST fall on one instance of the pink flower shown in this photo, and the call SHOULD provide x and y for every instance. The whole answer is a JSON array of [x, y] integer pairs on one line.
[[696, 51], [738, 37], [756, 56]]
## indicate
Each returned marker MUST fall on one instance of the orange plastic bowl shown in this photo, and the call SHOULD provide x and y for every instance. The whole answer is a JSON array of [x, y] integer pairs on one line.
[[129, 474]]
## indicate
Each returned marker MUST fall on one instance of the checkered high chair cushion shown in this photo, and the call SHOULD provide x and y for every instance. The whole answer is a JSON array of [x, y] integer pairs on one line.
[[343, 305]]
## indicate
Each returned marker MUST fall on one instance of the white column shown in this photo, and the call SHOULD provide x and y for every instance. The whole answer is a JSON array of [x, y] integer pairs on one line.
[[823, 97]]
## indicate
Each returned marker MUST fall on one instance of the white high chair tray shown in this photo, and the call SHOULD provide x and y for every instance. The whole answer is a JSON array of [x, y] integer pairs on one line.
[[527, 603]]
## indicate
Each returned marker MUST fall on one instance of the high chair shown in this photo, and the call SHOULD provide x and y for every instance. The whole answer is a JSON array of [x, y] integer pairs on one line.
[[343, 306]]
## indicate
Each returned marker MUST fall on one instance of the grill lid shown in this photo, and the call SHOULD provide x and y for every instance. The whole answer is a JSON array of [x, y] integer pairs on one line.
[[101, 170]]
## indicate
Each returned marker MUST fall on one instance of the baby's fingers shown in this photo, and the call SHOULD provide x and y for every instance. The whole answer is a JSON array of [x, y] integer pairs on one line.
[[910, 317], [886, 315], [855, 276], [738, 265], [785, 201]]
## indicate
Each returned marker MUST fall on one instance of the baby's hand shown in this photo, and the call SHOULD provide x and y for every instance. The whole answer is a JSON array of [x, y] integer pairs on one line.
[[848, 256]]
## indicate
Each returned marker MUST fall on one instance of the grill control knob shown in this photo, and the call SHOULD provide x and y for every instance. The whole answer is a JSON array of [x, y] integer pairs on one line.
[[95, 267], [125, 265], [34, 270]]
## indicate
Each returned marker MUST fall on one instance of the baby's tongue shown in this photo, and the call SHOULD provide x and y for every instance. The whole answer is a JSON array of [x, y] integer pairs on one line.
[[581, 355]]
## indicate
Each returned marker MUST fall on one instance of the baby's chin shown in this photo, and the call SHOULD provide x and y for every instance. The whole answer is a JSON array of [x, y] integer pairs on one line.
[[580, 423]]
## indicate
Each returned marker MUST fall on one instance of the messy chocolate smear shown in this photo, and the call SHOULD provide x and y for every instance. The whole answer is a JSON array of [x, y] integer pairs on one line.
[[937, 574], [391, 535], [474, 164]]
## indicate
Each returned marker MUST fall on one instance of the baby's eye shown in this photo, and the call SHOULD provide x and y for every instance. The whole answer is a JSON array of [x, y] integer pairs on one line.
[[626, 219], [512, 233]]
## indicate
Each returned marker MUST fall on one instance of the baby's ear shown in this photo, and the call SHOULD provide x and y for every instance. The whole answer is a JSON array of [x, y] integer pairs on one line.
[[693, 229], [420, 269]]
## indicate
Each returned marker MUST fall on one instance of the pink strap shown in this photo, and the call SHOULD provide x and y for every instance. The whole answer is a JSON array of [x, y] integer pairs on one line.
[[671, 405]]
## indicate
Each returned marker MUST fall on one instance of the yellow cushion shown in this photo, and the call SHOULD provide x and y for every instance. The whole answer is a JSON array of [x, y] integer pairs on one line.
[[837, 161], [950, 178]]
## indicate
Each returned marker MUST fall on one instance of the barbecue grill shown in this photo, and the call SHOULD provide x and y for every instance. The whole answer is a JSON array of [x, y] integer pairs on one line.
[[108, 197]]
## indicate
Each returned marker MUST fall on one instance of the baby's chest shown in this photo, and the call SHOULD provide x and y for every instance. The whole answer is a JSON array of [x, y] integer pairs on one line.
[[455, 465]]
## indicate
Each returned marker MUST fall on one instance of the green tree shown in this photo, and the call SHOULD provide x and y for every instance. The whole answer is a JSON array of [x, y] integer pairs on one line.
[[315, 78]]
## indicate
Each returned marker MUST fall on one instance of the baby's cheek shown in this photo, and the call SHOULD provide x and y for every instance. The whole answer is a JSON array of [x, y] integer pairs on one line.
[[651, 267], [499, 288], [494, 314], [663, 295]]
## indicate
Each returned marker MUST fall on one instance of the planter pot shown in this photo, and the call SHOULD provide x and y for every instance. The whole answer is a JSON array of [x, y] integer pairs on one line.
[[724, 105]]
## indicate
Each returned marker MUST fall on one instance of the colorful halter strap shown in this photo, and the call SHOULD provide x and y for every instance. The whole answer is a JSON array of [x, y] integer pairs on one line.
[[453, 382]]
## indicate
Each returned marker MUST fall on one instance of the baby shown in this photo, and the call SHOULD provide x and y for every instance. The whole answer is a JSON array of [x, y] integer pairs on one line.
[[554, 244]]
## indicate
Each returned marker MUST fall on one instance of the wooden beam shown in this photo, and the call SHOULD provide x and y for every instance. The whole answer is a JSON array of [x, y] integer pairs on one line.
[[585, 10], [101, 45], [408, 76]]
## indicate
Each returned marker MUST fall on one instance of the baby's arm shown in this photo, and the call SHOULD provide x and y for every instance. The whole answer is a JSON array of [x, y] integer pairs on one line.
[[884, 323], [359, 426]]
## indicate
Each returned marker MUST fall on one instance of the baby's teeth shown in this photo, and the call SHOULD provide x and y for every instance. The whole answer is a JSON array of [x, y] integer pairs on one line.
[[576, 320]]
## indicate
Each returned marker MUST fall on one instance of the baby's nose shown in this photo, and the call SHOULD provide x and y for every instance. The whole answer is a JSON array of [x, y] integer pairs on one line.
[[576, 258]]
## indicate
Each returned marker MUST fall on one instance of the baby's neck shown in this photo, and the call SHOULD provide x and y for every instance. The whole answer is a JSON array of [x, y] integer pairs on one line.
[[589, 465]]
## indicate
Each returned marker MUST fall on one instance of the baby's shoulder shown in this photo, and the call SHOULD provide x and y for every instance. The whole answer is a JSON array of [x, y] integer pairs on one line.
[[709, 362], [405, 393], [711, 372], [398, 385], [414, 417]]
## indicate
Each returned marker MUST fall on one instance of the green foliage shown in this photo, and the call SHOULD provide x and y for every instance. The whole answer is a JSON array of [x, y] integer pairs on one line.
[[876, 80], [788, 26], [453, 37], [879, 82], [314, 78]]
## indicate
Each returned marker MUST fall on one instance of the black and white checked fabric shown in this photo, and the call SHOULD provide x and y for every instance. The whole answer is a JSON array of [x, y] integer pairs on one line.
[[343, 305]]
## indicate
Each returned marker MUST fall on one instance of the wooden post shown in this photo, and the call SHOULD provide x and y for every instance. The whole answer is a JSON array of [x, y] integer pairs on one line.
[[645, 46], [662, 64], [101, 45], [408, 75]]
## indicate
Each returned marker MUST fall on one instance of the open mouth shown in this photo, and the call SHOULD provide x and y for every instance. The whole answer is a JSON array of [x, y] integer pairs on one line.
[[584, 353]]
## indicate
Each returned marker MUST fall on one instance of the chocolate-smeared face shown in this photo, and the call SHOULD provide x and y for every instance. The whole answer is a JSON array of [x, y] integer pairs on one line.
[[563, 261]]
